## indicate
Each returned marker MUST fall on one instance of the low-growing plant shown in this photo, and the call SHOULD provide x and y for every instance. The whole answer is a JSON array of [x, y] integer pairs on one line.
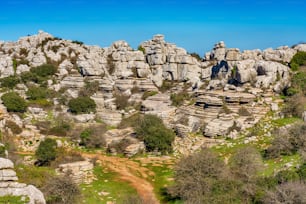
[[9, 82], [13, 102], [35, 93], [243, 111], [179, 98], [44, 70], [121, 101], [297, 60], [147, 94], [82, 105]]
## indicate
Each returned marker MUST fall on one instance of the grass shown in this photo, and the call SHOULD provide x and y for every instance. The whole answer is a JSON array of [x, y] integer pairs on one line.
[[34, 175], [14, 199], [106, 182], [274, 165], [284, 121]]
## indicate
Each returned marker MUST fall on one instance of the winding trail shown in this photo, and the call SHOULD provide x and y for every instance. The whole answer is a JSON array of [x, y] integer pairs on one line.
[[131, 172]]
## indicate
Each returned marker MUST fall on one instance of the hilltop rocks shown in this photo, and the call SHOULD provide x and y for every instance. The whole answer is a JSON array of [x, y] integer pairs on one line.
[[9, 186]]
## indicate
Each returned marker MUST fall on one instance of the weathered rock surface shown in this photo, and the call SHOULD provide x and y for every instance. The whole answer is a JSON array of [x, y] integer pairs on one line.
[[10, 186], [80, 172]]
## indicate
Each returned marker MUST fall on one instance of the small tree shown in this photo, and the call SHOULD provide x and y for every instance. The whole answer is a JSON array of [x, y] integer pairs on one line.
[[82, 105], [46, 152], [61, 189], [155, 134], [246, 163], [13, 102]]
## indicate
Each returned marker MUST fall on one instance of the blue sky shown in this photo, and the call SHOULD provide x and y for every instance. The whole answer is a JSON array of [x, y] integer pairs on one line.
[[194, 25]]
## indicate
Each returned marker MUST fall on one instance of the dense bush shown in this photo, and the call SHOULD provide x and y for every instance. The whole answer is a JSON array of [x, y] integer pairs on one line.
[[298, 59], [132, 121], [294, 106], [44, 70], [246, 163], [82, 105], [13, 102], [9, 82], [35, 93], [61, 189], [288, 142], [29, 77], [46, 152], [156, 136], [290, 192]]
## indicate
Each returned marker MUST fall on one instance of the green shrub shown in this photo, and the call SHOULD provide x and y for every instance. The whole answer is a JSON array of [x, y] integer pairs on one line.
[[9, 82], [35, 93], [147, 94], [286, 175], [43, 103], [299, 82], [77, 42], [142, 49], [44, 70], [2, 151], [13, 102], [166, 86], [179, 98], [132, 121], [298, 59], [46, 152], [82, 105], [156, 136], [29, 77]]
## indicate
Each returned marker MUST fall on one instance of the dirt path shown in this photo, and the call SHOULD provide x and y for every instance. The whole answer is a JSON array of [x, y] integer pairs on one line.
[[131, 172]]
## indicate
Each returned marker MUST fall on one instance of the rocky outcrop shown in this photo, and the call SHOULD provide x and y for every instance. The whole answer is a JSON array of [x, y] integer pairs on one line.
[[10, 186], [80, 172]]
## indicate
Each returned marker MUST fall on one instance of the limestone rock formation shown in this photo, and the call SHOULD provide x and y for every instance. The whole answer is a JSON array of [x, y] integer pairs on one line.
[[10, 186]]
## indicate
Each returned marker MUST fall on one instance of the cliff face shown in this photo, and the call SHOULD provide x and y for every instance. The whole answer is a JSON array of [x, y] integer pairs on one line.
[[231, 90]]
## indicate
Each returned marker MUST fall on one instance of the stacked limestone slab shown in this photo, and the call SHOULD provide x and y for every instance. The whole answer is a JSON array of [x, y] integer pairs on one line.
[[9, 184]]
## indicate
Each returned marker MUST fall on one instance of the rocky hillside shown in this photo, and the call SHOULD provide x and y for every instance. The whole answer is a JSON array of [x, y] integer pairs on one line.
[[224, 92]]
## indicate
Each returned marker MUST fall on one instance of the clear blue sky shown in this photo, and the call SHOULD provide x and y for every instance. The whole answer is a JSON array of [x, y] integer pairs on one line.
[[195, 25]]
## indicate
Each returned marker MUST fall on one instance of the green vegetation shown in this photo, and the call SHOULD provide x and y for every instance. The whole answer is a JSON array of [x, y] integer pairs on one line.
[[61, 189], [9, 82], [156, 136], [179, 98], [35, 93], [298, 59], [89, 89], [196, 55], [106, 182], [82, 104], [78, 42], [142, 49], [147, 94], [46, 152], [13, 102], [44, 70], [92, 137], [121, 101], [14, 199]]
